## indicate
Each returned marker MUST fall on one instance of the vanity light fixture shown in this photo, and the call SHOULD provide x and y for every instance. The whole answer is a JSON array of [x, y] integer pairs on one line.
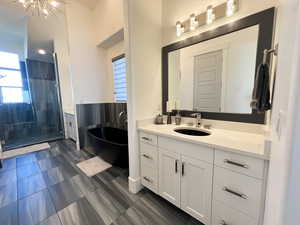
[[193, 22], [210, 15], [179, 29], [231, 7]]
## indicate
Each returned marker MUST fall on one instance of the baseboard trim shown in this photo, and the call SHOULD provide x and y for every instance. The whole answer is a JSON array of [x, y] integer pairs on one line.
[[134, 185], [24, 150]]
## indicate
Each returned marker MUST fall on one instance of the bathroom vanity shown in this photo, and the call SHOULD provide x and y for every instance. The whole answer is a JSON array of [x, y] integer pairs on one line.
[[220, 176], [218, 179]]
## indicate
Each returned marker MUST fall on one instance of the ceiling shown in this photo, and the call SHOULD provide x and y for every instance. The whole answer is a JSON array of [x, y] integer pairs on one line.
[[35, 32]]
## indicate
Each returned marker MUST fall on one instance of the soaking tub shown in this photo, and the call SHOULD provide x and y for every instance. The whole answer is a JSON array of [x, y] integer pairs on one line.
[[111, 144]]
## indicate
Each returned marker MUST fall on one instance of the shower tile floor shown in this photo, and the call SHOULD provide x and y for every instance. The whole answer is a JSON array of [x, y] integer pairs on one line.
[[46, 188]]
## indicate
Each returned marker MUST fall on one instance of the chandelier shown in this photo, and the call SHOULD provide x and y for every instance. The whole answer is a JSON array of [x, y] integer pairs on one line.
[[41, 7]]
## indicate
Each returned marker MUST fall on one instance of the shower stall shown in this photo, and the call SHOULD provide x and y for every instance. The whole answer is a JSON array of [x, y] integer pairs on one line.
[[30, 103]]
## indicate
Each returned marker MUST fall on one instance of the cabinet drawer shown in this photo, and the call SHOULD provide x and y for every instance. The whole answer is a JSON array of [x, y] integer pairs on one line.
[[148, 138], [238, 191], [239, 163], [196, 151], [149, 177], [222, 214], [149, 155]]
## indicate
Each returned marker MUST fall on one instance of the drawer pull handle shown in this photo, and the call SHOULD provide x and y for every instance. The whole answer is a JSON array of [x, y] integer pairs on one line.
[[223, 222], [235, 193], [147, 156], [182, 169], [236, 163], [176, 166], [148, 179], [146, 139]]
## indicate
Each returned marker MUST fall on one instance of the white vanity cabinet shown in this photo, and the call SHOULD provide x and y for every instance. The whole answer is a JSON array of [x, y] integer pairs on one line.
[[238, 189], [215, 186], [186, 182], [149, 161], [183, 174], [196, 183], [169, 176]]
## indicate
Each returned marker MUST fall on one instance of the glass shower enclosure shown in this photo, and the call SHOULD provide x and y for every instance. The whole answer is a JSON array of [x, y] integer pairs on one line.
[[30, 103]]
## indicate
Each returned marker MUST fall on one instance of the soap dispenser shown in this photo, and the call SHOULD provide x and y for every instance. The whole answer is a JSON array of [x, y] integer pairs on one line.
[[169, 118], [178, 118]]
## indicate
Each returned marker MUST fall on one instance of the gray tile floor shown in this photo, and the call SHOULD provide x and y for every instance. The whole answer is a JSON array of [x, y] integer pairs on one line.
[[46, 188]]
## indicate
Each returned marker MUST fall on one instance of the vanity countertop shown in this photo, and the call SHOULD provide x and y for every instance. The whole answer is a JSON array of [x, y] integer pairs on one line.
[[249, 144]]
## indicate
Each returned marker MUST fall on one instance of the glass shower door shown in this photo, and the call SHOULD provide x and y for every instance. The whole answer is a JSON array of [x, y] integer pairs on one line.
[[35, 115]]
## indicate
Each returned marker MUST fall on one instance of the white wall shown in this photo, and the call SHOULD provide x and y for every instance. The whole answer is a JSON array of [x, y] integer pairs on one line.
[[12, 45], [178, 10], [61, 48], [88, 62], [239, 81], [108, 18], [143, 50], [283, 186], [174, 78]]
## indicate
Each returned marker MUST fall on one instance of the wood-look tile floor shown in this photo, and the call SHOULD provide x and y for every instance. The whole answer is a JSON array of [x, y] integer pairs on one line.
[[46, 188]]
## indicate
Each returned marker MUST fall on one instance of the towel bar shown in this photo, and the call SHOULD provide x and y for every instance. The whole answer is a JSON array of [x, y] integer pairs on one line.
[[270, 51]]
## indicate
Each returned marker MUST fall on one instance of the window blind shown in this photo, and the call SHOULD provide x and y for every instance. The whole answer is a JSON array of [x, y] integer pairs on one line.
[[119, 69]]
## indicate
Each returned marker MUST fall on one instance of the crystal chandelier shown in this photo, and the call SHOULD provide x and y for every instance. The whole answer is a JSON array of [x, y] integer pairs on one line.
[[41, 7]]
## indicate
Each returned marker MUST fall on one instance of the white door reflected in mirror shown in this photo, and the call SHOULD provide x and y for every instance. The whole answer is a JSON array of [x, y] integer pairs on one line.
[[216, 75]]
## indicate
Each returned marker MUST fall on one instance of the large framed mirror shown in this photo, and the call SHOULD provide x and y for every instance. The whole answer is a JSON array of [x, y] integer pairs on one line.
[[214, 72]]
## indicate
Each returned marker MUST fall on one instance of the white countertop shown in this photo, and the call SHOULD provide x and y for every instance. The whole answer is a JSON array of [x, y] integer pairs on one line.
[[240, 142]]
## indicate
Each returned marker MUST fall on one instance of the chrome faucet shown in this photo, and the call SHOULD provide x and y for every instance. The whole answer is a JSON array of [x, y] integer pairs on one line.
[[198, 119], [123, 118]]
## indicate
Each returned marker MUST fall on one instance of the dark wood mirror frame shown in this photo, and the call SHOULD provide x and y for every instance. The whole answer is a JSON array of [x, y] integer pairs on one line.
[[265, 20]]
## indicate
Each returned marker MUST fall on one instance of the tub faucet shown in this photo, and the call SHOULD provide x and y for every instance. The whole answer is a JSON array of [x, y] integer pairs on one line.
[[123, 118], [198, 118]]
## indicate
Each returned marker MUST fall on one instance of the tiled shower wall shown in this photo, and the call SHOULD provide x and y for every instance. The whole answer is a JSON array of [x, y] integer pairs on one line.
[[39, 118], [93, 115]]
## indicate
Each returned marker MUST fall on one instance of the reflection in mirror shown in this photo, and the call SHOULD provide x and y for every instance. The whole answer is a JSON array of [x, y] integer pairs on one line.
[[216, 75]]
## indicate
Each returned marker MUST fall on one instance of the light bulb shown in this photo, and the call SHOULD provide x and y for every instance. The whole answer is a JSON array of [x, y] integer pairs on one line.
[[45, 11], [193, 22], [179, 29], [231, 7], [22, 1], [210, 15], [42, 52], [54, 3]]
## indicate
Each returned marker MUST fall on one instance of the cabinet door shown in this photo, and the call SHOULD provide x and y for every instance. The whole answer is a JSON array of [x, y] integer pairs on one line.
[[196, 188], [169, 176]]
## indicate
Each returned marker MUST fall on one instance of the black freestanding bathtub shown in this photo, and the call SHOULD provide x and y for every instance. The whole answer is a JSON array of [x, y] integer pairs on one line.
[[111, 144]]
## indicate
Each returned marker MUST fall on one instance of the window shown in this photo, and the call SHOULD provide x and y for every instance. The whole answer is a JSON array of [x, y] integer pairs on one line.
[[119, 69], [11, 84]]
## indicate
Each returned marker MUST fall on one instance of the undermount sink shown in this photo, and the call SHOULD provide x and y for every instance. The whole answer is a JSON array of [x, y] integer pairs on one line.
[[191, 131]]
